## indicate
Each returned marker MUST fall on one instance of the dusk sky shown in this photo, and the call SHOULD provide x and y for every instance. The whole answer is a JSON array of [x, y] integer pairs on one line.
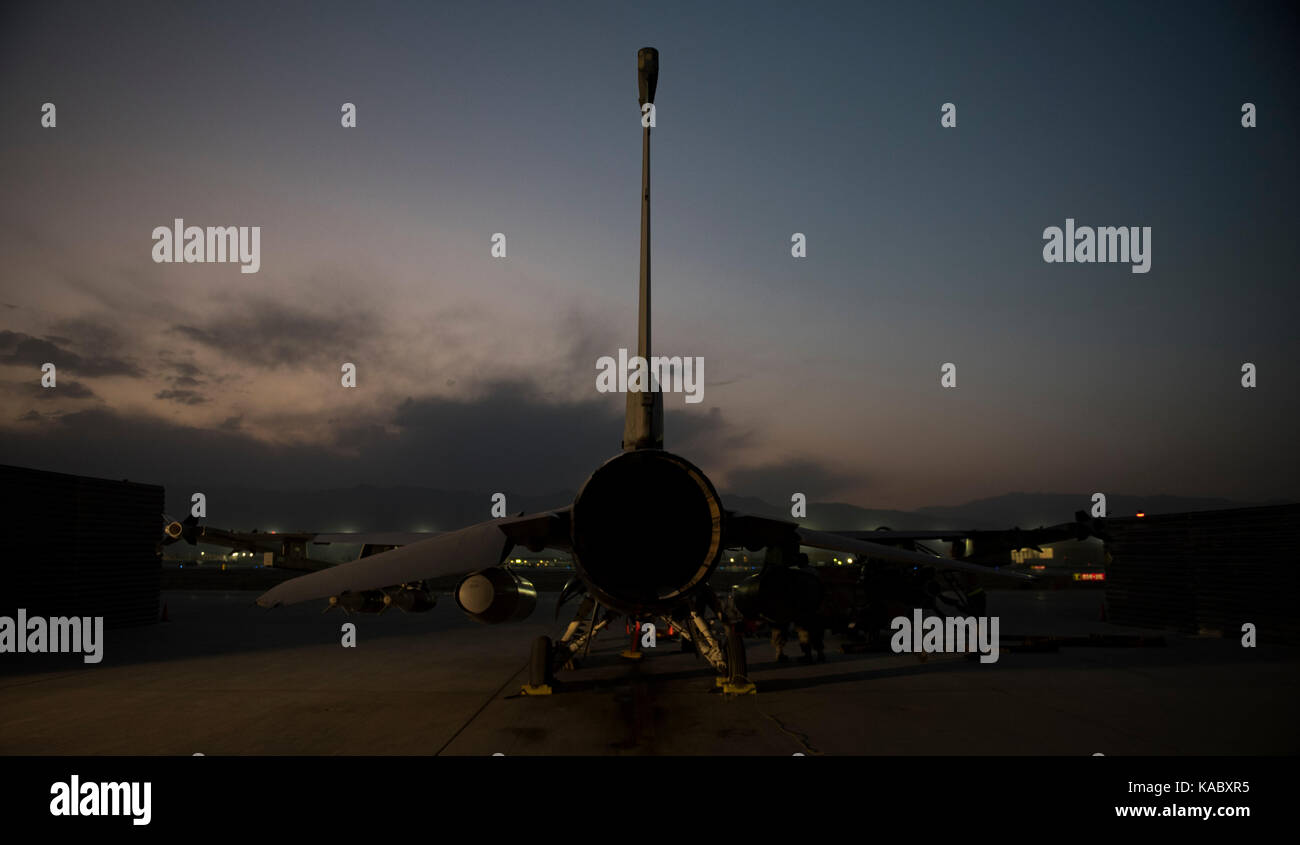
[[822, 374]]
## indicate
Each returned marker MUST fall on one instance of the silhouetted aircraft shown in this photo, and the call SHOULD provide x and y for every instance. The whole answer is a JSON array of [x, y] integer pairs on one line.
[[290, 547], [646, 531]]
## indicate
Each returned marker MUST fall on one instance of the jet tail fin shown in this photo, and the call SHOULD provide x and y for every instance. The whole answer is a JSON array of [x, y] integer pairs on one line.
[[643, 423]]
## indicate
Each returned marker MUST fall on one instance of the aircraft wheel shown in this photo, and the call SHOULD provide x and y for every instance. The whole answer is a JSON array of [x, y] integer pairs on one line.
[[539, 665]]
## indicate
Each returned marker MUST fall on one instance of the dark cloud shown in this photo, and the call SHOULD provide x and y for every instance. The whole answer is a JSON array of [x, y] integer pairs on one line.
[[273, 334], [508, 437], [89, 332], [182, 374], [184, 397], [19, 349], [65, 388]]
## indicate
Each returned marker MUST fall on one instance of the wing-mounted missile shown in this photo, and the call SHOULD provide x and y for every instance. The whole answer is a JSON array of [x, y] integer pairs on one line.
[[496, 595], [411, 598], [366, 601], [408, 598]]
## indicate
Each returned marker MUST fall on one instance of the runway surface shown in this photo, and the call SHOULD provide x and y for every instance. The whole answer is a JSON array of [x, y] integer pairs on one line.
[[223, 677]]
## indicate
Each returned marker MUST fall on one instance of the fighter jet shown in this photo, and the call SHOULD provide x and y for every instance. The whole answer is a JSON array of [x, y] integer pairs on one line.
[[290, 548], [646, 531]]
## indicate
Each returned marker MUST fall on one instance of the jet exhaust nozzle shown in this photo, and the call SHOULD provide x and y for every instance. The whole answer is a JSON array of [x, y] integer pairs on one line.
[[646, 530], [496, 595]]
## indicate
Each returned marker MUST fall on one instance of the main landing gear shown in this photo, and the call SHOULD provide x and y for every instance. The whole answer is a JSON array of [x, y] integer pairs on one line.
[[716, 638]]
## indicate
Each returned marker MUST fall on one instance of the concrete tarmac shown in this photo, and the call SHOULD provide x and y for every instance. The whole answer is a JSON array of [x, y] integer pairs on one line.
[[223, 677]]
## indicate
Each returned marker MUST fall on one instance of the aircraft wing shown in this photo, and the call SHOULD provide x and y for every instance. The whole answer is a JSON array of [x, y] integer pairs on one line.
[[890, 554], [999, 539], [452, 553], [756, 532], [381, 538]]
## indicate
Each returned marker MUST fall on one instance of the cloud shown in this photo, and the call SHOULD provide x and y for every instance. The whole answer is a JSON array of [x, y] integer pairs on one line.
[[184, 397], [19, 349], [65, 388], [509, 436], [269, 334]]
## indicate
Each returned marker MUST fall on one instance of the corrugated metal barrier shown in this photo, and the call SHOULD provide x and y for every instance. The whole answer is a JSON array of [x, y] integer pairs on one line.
[[1208, 571], [78, 546]]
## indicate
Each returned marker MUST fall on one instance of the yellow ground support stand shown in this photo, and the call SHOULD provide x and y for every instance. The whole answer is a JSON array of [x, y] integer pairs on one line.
[[740, 686]]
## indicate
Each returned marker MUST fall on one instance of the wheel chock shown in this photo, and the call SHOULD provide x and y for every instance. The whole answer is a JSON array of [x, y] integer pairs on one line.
[[629, 654], [738, 686], [529, 689]]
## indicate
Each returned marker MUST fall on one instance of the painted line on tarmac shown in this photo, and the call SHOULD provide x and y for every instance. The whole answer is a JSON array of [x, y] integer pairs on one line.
[[493, 697]]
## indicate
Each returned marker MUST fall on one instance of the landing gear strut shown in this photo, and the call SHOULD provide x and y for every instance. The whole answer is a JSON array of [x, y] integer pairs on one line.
[[727, 657], [540, 674]]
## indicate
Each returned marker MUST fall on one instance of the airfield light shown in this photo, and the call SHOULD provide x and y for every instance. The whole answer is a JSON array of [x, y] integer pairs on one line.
[[1141, 514]]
